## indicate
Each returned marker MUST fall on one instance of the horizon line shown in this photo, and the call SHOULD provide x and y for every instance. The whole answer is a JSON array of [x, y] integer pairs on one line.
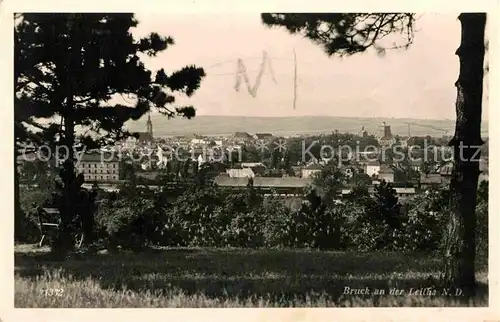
[[322, 115]]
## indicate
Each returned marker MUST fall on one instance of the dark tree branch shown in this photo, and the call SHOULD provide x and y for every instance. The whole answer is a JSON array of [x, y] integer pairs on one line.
[[346, 33]]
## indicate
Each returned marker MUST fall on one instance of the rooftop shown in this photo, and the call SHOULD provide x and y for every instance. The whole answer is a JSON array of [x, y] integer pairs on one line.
[[431, 178], [371, 189], [385, 169], [240, 172], [242, 135], [373, 163], [285, 182], [252, 164], [263, 135], [314, 166], [99, 157], [144, 136]]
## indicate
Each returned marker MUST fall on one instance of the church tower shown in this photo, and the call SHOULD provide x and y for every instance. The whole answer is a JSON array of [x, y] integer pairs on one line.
[[363, 132], [149, 126]]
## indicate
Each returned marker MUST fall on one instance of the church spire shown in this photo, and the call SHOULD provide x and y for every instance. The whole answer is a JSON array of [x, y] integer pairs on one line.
[[149, 125]]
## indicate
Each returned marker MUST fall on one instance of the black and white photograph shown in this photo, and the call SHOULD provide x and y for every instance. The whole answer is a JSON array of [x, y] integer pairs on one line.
[[251, 159]]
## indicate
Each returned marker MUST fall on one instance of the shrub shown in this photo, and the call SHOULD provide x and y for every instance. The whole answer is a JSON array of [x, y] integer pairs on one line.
[[211, 217], [424, 229], [26, 228], [26, 222], [426, 218], [128, 223], [279, 228], [246, 230], [362, 232]]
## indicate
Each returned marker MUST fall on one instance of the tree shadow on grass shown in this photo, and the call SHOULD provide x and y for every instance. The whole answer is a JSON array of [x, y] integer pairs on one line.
[[282, 277]]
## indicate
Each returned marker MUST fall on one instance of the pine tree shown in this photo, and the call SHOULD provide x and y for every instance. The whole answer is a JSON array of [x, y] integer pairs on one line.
[[69, 67]]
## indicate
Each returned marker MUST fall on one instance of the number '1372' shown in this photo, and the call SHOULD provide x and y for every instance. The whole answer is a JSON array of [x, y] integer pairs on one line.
[[52, 292]]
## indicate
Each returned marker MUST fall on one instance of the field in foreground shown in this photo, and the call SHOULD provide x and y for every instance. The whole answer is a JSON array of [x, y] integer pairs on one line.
[[229, 278]]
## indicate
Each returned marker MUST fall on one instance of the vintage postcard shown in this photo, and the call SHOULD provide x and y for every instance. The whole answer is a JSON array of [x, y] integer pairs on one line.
[[258, 156]]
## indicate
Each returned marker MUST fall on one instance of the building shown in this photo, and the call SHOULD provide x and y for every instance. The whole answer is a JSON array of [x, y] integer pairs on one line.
[[311, 170], [252, 164], [363, 133], [258, 168], [446, 169], [240, 173], [401, 192], [198, 141], [387, 139], [243, 136], [405, 192], [386, 173], [431, 180], [147, 164], [152, 175], [364, 158], [348, 171], [208, 156], [201, 160], [163, 157], [99, 167], [372, 168], [285, 185], [416, 165], [297, 170], [263, 136]]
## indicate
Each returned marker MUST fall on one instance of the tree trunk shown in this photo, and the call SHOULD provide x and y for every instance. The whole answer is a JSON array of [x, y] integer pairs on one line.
[[459, 257], [70, 194], [71, 189]]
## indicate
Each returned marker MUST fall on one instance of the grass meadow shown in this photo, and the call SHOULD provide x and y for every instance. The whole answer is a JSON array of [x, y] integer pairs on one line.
[[190, 277]]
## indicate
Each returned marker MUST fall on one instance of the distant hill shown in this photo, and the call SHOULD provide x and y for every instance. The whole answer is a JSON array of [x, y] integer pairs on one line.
[[287, 126]]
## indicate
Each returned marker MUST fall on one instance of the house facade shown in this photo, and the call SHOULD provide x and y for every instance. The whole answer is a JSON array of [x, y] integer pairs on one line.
[[240, 173], [372, 168], [99, 167], [311, 170]]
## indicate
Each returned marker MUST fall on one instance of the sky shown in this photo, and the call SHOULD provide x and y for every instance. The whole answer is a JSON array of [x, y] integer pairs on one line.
[[414, 83]]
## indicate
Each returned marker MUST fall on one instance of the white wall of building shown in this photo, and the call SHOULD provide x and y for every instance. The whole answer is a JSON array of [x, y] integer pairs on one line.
[[372, 169]]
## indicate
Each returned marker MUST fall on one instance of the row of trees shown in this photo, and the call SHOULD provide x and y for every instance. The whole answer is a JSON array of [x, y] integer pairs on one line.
[[207, 216]]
